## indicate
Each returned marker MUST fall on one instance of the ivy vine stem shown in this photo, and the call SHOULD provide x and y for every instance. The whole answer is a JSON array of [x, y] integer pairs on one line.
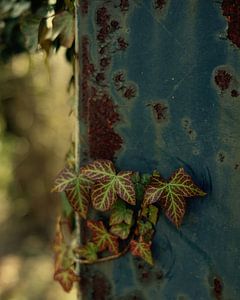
[[103, 259]]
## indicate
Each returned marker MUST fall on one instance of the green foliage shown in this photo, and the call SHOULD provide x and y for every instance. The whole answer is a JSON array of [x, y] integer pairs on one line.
[[172, 194], [29, 25], [126, 224], [108, 185]]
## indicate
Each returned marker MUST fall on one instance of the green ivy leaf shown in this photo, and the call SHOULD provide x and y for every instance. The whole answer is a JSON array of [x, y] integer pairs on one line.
[[109, 185], [103, 195], [120, 213], [66, 277], [151, 213], [121, 230], [77, 188], [172, 194], [102, 238], [101, 170], [145, 230], [141, 249], [89, 251], [63, 26]]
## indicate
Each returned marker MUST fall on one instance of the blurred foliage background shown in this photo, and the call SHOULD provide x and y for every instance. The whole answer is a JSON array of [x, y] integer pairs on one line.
[[36, 131]]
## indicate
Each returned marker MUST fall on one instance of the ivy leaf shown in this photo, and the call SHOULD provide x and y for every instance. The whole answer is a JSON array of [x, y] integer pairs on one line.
[[77, 189], [64, 179], [103, 195], [63, 26], [121, 230], [102, 238], [172, 194], [120, 214], [89, 251], [109, 185], [124, 187], [151, 213], [141, 249], [145, 230], [63, 252], [66, 278], [100, 170]]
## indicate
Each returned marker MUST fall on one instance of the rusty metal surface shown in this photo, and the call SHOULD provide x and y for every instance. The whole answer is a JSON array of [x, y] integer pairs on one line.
[[174, 103]]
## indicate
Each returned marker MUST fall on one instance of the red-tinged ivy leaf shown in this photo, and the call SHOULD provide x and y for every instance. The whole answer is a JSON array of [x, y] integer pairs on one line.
[[78, 195], [63, 252], [103, 195], [108, 185], [172, 194], [125, 188], [120, 213], [100, 170], [63, 26], [64, 179], [121, 230], [151, 213], [77, 188], [142, 249], [89, 251], [66, 277], [102, 238], [145, 230]]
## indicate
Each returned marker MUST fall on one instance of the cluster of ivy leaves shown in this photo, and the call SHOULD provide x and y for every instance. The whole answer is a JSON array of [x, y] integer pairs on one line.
[[128, 204], [30, 25]]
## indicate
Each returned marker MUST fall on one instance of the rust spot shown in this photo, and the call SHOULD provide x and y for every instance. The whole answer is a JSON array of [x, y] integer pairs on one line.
[[122, 44], [217, 288], [115, 25], [135, 295], [130, 92], [103, 141], [101, 287], [104, 62], [222, 79], [159, 4], [221, 157], [84, 6], [160, 111], [231, 10], [98, 110], [235, 93], [124, 5]]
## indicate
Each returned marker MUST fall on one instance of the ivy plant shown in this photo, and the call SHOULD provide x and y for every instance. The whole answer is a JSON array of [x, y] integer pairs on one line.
[[129, 205]]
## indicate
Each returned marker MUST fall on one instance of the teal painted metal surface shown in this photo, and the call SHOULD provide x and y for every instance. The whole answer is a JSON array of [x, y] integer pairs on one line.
[[183, 111]]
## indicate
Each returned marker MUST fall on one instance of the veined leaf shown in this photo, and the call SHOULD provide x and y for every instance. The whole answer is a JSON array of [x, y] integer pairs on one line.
[[103, 195], [142, 249], [151, 213], [77, 189], [108, 184], [120, 213], [89, 251], [145, 230], [63, 26], [124, 187], [101, 170], [64, 256], [172, 194], [64, 179], [121, 230], [102, 238], [66, 278]]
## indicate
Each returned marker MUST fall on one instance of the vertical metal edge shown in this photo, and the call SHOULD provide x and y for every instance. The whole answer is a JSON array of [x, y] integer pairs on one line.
[[77, 129]]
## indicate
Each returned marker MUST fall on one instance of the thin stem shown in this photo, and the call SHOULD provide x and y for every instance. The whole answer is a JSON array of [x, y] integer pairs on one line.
[[103, 259]]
